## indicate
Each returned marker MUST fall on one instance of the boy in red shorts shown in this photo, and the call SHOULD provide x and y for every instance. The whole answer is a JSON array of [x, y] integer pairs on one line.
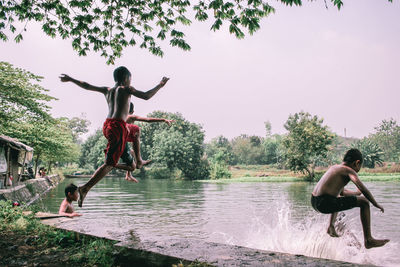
[[114, 128], [134, 137]]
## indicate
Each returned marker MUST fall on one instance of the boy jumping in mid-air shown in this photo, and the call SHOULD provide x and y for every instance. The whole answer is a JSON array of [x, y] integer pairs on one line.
[[114, 128], [66, 208], [134, 137], [329, 195]]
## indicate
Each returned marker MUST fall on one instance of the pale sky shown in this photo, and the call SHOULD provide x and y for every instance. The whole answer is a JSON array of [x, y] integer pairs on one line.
[[343, 66]]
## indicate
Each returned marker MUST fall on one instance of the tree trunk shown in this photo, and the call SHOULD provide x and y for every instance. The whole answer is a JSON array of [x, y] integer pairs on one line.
[[49, 168], [310, 174], [36, 163]]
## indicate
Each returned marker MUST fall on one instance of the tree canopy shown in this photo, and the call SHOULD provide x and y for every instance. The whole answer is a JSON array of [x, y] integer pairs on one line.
[[218, 147], [78, 126], [22, 99], [108, 26], [387, 137], [24, 114], [179, 146], [306, 141]]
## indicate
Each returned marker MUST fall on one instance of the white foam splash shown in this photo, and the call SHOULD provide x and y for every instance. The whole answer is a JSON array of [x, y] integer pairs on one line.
[[275, 230]]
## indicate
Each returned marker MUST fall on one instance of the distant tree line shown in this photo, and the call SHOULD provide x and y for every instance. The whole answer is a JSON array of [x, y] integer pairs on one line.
[[180, 149], [306, 145]]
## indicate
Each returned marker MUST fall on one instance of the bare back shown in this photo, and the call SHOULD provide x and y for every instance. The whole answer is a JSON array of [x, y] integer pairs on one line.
[[333, 181], [118, 99], [110, 101]]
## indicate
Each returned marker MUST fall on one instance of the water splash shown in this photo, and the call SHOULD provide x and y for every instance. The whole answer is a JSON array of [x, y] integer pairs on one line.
[[276, 230]]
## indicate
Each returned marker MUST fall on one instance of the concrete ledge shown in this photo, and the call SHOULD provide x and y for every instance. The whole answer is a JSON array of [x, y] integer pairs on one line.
[[156, 253], [226, 255], [29, 191]]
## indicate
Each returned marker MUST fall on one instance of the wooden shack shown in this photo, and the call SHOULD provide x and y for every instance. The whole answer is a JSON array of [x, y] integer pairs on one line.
[[13, 156]]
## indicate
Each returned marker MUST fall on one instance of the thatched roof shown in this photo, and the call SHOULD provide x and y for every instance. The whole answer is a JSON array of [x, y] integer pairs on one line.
[[8, 141]]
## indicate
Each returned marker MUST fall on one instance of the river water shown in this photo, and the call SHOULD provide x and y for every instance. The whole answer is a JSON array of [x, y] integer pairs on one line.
[[268, 216]]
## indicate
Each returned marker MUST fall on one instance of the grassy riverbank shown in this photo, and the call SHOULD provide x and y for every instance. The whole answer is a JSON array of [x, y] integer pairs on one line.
[[365, 178], [269, 173], [25, 241], [266, 173]]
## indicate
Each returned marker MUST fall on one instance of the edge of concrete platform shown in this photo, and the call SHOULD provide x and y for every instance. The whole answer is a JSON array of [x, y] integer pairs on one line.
[[174, 251]]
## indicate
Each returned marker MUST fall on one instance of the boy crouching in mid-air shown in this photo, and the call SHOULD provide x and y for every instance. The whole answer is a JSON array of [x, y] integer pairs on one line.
[[66, 208], [134, 138], [329, 195]]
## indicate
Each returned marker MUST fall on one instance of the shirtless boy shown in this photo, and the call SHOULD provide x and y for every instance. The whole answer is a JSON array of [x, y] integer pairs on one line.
[[66, 208], [329, 195], [134, 137], [114, 128]]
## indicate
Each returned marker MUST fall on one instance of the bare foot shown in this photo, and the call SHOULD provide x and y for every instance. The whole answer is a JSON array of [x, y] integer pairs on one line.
[[130, 178], [374, 243], [141, 163], [82, 196], [332, 232]]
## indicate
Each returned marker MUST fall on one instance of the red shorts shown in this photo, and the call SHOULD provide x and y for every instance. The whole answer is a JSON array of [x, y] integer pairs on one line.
[[133, 132], [116, 133]]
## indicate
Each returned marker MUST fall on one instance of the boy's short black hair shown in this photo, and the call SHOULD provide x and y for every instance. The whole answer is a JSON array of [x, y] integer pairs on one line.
[[131, 108], [71, 188], [353, 155], [120, 73]]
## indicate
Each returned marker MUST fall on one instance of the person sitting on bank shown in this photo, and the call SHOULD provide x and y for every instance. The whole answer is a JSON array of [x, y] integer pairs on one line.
[[330, 196], [66, 207], [42, 172]]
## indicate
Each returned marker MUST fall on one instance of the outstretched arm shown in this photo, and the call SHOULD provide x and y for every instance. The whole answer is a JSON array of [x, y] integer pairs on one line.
[[133, 118], [84, 85], [364, 190], [149, 94]]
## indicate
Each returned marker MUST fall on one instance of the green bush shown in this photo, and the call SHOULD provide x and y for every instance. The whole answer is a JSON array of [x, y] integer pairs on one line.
[[219, 170], [371, 152], [162, 172]]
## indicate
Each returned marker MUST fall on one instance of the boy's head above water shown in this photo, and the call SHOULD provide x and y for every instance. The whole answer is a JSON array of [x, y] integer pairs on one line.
[[71, 192], [353, 159], [122, 76]]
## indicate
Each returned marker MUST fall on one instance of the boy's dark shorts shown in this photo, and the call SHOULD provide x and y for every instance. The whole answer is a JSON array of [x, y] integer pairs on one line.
[[126, 156], [330, 204]]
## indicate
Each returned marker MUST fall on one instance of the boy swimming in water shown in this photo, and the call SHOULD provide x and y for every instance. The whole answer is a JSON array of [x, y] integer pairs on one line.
[[114, 128], [66, 207], [134, 137], [329, 195]]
